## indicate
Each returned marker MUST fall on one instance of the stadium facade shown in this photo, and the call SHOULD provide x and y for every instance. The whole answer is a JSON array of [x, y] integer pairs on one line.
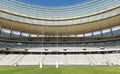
[[83, 34]]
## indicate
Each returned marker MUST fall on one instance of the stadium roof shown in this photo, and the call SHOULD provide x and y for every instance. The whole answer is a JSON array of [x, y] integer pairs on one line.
[[77, 19]]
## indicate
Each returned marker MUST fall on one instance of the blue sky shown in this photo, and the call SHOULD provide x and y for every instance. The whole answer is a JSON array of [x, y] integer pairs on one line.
[[53, 2]]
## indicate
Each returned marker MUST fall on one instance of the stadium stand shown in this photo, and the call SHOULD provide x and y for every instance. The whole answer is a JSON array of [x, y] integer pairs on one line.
[[87, 34]]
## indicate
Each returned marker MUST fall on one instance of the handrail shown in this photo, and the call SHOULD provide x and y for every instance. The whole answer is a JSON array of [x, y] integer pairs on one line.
[[61, 39]]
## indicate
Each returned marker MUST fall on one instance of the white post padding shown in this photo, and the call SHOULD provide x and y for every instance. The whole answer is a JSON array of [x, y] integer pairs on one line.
[[57, 65], [41, 65]]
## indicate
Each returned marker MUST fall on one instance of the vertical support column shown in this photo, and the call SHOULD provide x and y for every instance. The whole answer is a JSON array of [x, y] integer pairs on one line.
[[92, 34], [83, 34], [75, 35], [111, 31], [0, 30], [101, 32], [68, 35], [37, 35], [10, 32], [29, 34], [20, 34]]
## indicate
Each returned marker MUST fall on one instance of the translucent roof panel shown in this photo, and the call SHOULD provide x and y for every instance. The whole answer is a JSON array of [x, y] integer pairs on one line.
[[53, 2], [80, 9]]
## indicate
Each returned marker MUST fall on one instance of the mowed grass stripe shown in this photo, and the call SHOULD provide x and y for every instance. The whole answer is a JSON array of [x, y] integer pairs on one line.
[[60, 70]]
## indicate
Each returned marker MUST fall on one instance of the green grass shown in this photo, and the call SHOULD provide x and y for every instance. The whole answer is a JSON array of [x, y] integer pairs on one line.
[[60, 70]]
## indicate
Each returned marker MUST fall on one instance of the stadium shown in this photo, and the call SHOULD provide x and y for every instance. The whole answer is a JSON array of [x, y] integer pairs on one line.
[[76, 39]]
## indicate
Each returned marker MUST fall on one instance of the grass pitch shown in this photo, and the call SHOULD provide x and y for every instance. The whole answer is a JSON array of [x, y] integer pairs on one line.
[[60, 70]]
